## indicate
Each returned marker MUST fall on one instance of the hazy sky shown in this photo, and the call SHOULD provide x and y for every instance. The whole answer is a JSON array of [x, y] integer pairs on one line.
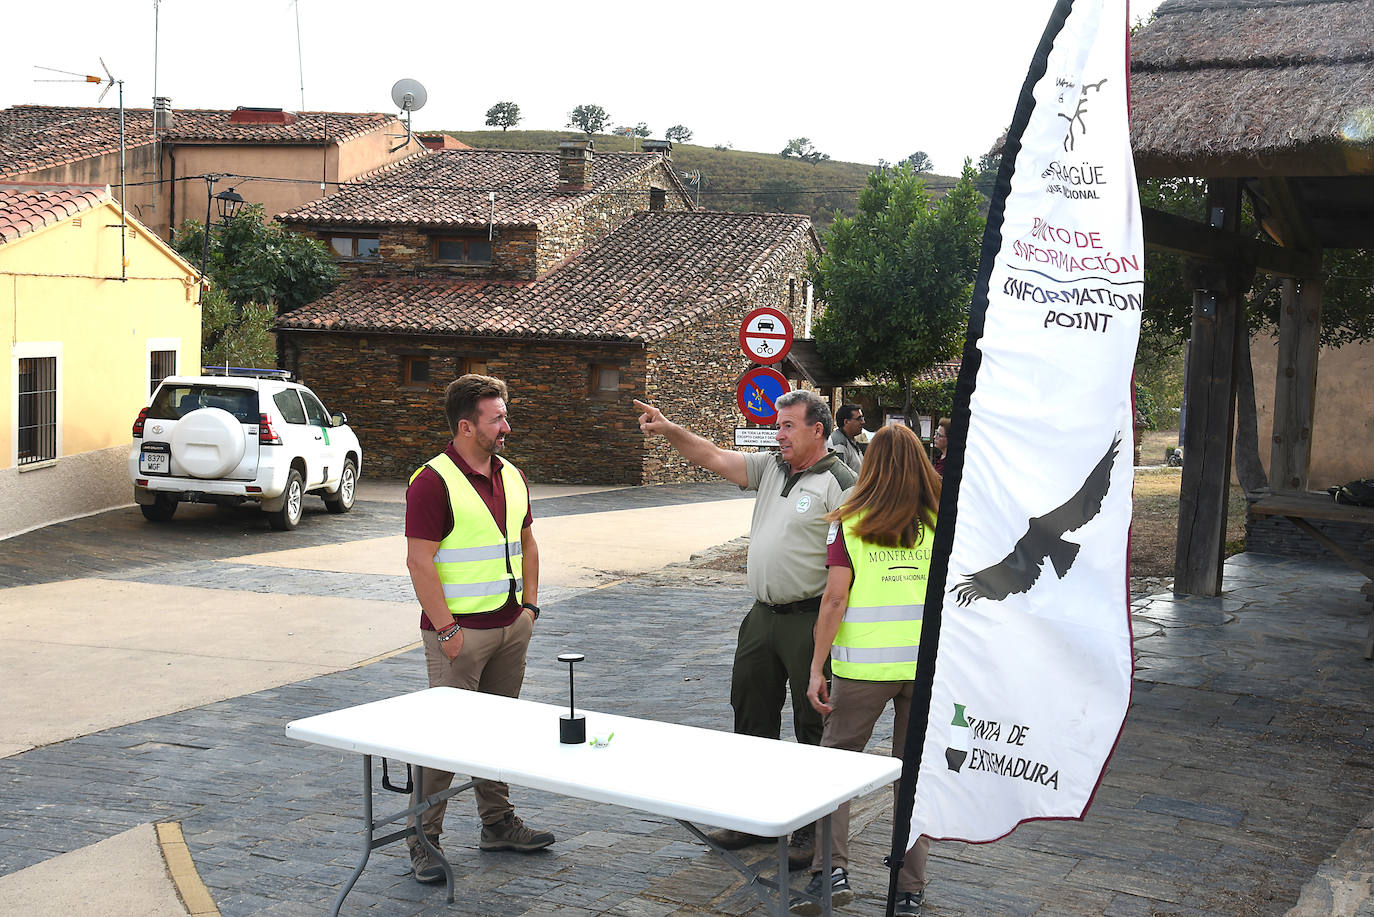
[[863, 79]]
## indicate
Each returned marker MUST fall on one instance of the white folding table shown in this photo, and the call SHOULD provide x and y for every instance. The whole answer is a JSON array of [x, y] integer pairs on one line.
[[761, 786]]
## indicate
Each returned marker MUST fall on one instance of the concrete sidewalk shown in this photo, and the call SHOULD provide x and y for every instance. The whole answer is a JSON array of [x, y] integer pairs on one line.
[[331, 595], [1242, 782]]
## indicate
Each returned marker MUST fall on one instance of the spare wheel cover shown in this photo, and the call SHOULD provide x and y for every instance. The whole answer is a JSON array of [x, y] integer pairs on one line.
[[208, 443]]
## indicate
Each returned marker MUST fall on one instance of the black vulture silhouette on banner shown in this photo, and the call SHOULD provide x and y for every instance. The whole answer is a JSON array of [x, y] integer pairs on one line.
[[1018, 571]]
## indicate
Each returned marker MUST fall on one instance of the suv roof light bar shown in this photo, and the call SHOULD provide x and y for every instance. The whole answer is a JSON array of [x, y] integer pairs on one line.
[[247, 372]]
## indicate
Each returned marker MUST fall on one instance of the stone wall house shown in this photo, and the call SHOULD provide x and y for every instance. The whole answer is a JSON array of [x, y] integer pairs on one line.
[[508, 214], [597, 291]]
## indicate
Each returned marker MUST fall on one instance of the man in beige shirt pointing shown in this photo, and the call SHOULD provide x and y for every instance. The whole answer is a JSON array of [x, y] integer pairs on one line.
[[796, 486]]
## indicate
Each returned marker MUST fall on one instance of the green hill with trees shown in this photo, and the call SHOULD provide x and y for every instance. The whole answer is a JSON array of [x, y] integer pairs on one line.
[[735, 180]]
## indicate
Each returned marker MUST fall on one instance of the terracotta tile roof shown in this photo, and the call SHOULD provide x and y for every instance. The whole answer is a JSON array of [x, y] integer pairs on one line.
[[29, 206], [442, 142], [40, 136], [654, 274], [940, 372], [449, 188]]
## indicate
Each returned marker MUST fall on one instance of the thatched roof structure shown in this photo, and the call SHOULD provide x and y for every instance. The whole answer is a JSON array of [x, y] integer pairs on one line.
[[1270, 101], [1278, 93], [1255, 87]]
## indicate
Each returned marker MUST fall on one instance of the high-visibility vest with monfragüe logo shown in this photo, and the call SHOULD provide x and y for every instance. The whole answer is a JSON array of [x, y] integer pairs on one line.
[[880, 633], [475, 562]]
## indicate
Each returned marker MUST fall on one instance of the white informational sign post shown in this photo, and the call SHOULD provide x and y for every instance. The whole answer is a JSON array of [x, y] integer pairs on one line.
[[756, 436]]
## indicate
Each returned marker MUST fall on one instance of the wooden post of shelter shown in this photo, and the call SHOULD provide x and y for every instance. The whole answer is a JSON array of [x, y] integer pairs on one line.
[[1255, 94], [1211, 384], [1295, 386]]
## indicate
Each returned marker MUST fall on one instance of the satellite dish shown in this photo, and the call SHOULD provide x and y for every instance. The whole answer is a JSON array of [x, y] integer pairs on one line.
[[409, 95]]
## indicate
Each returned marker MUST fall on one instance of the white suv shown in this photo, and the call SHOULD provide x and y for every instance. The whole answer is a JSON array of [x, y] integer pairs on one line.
[[246, 435]]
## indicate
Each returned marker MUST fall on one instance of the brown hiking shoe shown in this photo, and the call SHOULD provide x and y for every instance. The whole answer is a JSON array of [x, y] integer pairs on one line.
[[729, 839], [801, 849], [511, 834], [427, 870]]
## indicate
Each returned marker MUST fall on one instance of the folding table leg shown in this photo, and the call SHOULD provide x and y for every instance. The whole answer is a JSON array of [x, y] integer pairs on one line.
[[762, 885], [371, 841], [415, 799], [825, 840], [367, 837], [784, 878]]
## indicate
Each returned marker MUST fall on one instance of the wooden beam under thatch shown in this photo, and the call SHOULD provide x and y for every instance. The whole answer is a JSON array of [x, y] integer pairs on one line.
[[1288, 218], [1186, 237]]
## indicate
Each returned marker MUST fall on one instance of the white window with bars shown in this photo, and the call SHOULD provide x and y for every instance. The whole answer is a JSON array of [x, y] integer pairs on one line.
[[162, 360], [37, 403]]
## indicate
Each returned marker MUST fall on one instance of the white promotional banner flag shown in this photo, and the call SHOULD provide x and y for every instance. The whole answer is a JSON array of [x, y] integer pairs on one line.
[[1032, 676]]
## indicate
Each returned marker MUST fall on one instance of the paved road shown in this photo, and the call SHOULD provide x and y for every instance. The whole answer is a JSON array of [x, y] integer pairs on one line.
[[1245, 763]]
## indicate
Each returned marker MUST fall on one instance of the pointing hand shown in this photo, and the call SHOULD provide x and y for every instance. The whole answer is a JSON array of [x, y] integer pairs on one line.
[[652, 420]]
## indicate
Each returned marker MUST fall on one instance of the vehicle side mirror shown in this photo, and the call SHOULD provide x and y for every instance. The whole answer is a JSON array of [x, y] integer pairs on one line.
[[338, 419]]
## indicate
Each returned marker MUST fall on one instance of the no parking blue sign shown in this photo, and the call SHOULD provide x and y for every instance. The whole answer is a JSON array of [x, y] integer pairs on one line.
[[758, 392]]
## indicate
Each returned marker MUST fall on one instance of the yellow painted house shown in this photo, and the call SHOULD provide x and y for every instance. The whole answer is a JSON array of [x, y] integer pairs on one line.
[[94, 321]]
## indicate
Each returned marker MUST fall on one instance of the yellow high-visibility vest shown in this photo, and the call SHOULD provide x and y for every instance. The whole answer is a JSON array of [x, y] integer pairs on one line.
[[881, 631], [475, 562]]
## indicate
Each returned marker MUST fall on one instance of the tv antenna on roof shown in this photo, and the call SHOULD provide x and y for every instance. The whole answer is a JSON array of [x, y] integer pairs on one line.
[[109, 82], [693, 178], [409, 96], [83, 78]]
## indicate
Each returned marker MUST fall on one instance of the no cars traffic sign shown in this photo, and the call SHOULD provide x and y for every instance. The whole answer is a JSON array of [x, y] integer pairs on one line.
[[765, 336]]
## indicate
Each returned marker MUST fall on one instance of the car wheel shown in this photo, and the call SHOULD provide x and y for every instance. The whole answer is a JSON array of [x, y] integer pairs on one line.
[[342, 500], [161, 509], [289, 516]]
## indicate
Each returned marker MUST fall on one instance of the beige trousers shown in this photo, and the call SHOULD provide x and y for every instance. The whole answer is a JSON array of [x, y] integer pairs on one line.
[[493, 662], [857, 706]]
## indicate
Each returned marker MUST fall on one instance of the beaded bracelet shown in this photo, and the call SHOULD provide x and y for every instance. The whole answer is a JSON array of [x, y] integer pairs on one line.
[[447, 633]]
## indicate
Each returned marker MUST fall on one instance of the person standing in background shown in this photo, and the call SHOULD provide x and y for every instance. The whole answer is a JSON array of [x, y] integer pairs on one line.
[[939, 441], [849, 422]]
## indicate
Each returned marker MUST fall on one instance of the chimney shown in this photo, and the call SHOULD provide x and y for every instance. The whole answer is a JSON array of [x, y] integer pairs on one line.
[[575, 165], [162, 113], [246, 115], [659, 146]]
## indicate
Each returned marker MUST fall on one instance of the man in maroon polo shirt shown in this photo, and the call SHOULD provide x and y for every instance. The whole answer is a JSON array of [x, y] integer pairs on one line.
[[477, 608]]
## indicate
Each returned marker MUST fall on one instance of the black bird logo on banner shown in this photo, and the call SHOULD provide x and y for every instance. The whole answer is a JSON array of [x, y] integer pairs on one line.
[[1018, 571]]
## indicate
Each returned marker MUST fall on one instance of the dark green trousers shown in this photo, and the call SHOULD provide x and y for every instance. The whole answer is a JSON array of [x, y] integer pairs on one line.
[[773, 654]]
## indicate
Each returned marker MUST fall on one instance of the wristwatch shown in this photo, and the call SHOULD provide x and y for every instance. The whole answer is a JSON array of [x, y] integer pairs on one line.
[[534, 609]]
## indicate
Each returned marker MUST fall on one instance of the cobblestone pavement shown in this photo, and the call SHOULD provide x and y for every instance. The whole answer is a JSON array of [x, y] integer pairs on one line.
[[122, 541], [1246, 760]]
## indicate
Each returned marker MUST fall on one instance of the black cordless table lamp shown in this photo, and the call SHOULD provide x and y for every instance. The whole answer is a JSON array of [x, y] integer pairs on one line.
[[572, 729]]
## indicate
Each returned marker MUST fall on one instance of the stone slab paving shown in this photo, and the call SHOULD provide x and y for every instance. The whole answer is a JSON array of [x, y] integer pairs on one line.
[[1244, 765]]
